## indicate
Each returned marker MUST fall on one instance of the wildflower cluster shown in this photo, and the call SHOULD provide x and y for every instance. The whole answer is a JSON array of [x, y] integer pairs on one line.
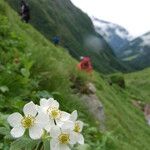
[[47, 119]]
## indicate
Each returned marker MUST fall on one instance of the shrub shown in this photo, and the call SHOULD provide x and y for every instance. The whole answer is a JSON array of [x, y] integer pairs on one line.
[[117, 79]]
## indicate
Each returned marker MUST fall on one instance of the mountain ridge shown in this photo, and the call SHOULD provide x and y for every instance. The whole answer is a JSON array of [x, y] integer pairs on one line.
[[133, 52], [138, 52]]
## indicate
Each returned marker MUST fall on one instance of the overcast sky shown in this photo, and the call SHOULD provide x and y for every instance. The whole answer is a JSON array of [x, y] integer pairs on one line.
[[134, 15]]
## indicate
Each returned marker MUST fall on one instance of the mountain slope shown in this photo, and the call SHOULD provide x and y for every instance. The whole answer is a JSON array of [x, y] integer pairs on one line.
[[115, 35], [61, 17], [32, 67], [45, 72], [137, 52]]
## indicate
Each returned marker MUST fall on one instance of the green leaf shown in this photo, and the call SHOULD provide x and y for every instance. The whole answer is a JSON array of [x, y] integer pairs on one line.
[[47, 145], [56, 95], [4, 89], [25, 72], [8, 137], [3, 121], [4, 131], [18, 104], [83, 147], [1, 145], [43, 94], [23, 143]]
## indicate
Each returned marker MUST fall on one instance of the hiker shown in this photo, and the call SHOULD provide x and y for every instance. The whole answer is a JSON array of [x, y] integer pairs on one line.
[[25, 11], [85, 64], [56, 40]]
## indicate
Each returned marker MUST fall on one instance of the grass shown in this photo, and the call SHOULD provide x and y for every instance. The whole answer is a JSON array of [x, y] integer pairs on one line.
[[32, 67], [125, 121], [138, 84]]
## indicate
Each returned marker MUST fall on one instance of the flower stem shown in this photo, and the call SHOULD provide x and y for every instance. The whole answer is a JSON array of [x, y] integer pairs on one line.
[[55, 122], [38, 145]]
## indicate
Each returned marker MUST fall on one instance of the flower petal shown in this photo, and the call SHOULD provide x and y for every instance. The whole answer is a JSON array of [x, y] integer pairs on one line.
[[42, 109], [17, 132], [35, 132], [15, 119], [30, 109], [73, 138], [64, 116], [59, 123], [80, 123], [54, 144], [80, 138], [74, 116], [49, 125], [68, 125], [53, 103], [63, 147], [55, 132], [44, 102], [42, 119]]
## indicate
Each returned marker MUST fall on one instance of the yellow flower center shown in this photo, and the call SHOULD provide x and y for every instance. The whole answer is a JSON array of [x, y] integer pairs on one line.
[[77, 128], [64, 138], [28, 122], [54, 113]]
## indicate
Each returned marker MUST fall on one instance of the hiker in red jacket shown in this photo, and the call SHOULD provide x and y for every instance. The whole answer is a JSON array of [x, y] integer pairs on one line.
[[85, 64]]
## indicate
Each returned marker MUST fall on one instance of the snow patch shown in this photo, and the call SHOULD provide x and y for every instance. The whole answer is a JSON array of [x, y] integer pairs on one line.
[[108, 29], [146, 40]]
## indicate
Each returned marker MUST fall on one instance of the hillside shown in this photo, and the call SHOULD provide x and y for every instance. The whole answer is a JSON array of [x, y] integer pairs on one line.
[[32, 67], [117, 36], [137, 52], [62, 18]]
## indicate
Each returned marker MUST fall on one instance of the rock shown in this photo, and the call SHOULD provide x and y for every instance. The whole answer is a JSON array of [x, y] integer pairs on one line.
[[91, 88], [143, 107], [87, 94], [138, 104], [82, 87], [95, 107]]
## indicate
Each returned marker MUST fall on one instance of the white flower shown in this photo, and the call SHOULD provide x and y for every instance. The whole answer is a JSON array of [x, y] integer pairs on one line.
[[61, 139], [51, 108], [77, 127], [31, 121]]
